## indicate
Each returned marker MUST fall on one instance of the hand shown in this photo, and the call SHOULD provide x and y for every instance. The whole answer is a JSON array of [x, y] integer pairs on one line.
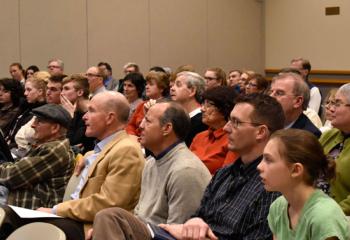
[[174, 229], [196, 228], [80, 164], [68, 105], [47, 210], [148, 105], [89, 234]]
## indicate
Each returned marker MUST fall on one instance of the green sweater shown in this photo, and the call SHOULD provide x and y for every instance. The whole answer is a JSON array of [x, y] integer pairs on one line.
[[340, 186]]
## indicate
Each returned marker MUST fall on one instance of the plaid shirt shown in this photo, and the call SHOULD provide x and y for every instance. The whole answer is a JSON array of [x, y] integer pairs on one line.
[[40, 178], [235, 203]]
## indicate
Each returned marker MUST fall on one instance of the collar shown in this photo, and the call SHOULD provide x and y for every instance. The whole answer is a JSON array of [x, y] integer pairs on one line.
[[216, 133], [101, 144], [246, 170], [195, 112], [165, 151]]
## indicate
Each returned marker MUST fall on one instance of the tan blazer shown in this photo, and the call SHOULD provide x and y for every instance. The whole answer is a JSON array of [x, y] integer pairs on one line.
[[114, 180]]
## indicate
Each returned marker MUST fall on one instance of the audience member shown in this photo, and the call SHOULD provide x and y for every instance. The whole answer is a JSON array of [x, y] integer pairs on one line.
[[30, 71], [112, 173], [327, 114], [293, 161], [214, 77], [256, 84], [336, 144], [17, 72], [187, 91], [235, 205], [95, 78], [40, 178], [54, 89], [55, 67], [109, 82], [293, 94], [167, 180], [244, 79], [75, 98], [233, 79], [127, 69], [134, 84], [11, 100], [211, 145], [157, 87], [304, 67], [18, 138]]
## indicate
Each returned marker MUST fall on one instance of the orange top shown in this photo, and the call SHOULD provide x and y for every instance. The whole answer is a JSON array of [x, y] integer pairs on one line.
[[211, 147], [135, 120]]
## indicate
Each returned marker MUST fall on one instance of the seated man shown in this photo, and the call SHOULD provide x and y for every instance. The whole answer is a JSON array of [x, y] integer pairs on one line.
[[112, 173], [235, 205], [40, 178], [172, 184]]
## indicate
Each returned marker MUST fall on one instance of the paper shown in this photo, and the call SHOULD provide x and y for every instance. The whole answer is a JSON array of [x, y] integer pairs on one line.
[[28, 213]]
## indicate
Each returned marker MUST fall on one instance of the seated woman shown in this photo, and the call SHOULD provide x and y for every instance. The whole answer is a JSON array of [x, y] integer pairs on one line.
[[157, 86], [11, 101], [211, 145], [293, 161], [133, 86], [327, 114], [35, 90], [214, 77], [257, 84]]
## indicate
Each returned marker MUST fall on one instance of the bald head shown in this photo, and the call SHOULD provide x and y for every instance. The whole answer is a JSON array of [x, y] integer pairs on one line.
[[116, 102]]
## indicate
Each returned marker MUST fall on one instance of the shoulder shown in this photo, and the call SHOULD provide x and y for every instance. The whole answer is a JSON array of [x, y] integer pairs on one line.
[[330, 134]]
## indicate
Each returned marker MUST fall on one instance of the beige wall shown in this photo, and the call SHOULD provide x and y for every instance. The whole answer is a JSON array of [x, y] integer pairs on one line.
[[226, 33], [300, 28]]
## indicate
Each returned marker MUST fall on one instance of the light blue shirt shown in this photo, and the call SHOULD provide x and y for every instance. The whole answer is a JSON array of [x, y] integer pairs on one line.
[[89, 160]]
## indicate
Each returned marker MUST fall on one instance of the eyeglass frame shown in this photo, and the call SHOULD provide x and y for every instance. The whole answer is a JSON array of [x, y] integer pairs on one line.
[[236, 123]]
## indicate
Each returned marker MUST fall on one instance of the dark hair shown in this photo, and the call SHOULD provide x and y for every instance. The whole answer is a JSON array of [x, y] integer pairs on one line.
[[262, 83], [32, 67], [17, 65], [58, 78], [223, 98], [138, 80], [157, 69], [267, 110], [300, 146], [16, 89], [180, 120], [108, 67]]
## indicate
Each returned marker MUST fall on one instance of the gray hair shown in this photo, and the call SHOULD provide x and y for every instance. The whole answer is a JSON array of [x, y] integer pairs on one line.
[[344, 90], [59, 61], [196, 81], [300, 87]]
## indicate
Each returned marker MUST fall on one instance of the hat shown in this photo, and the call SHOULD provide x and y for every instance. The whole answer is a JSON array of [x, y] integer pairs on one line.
[[53, 112]]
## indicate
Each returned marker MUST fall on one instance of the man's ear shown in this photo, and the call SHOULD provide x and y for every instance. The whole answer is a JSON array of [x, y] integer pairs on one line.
[[80, 92], [55, 128], [298, 101], [167, 128], [193, 91], [262, 132], [110, 118]]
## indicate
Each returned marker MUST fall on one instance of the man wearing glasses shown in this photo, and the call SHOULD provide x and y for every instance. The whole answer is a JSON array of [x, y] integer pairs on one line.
[[55, 67], [95, 78], [235, 204], [291, 91]]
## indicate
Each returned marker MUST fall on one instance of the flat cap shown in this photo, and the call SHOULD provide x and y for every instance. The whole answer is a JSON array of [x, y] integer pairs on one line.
[[54, 113]]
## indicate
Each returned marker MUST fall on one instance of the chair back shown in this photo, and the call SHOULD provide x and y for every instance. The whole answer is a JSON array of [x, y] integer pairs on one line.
[[38, 231]]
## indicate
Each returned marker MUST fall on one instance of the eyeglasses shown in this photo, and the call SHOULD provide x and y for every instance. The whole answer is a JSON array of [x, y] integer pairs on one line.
[[209, 78], [252, 85], [53, 66], [92, 75], [336, 104], [236, 123], [279, 93]]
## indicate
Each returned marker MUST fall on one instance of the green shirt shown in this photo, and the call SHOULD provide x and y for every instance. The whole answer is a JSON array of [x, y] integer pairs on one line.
[[321, 218]]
